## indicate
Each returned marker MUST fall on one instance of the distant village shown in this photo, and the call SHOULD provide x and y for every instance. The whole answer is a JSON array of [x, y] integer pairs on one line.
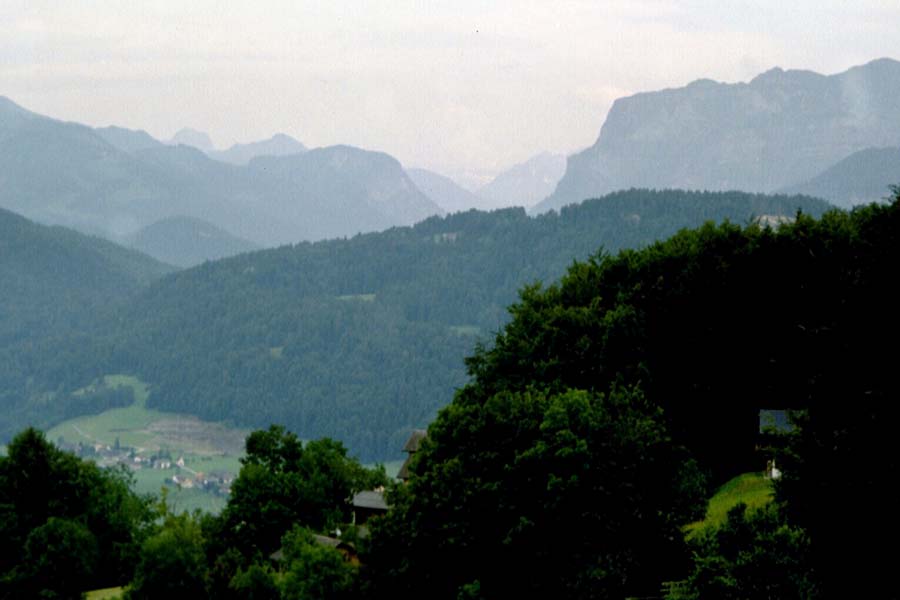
[[217, 483]]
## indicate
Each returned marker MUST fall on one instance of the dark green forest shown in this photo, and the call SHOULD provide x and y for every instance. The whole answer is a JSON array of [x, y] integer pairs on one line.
[[359, 339], [589, 434], [56, 284], [56, 279], [531, 463], [66, 525]]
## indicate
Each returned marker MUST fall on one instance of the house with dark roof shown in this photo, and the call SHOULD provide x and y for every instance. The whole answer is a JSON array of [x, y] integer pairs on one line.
[[411, 447], [367, 504]]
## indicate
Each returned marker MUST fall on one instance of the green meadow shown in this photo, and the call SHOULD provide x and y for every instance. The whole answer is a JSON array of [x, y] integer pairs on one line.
[[203, 446], [753, 489]]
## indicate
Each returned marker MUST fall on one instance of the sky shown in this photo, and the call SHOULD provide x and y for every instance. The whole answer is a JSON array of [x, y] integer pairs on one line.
[[466, 88]]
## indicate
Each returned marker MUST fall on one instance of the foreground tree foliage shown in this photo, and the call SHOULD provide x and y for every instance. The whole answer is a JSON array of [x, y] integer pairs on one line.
[[752, 555], [172, 561], [838, 470], [576, 494], [284, 482], [569, 463], [68, 526], [315, 572], [789, 313], [262, 545], [713, 324], [257, 582], [65, 524]]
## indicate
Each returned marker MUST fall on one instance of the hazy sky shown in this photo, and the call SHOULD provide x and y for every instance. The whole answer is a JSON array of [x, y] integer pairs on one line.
[[452, 86]]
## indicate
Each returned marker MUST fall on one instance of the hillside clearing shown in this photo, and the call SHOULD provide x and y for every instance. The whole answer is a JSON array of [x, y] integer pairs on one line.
[[753, 489], [206, 449]]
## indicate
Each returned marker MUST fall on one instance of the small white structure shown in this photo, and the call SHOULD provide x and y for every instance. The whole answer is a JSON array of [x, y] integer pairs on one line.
[[772, 472]]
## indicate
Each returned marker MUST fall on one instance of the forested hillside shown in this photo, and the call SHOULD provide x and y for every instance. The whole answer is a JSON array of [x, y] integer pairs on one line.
[[359, 339], [57, 287], [54, 278]]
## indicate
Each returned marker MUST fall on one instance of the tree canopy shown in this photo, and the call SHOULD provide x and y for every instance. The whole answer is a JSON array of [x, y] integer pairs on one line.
[[284, 482], [574, 494], [710, 325], [66, 525]]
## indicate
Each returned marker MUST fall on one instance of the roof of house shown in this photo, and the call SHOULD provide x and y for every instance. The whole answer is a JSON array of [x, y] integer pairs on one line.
[[324, 540], [415, 438], [370, 499], [403, 473]]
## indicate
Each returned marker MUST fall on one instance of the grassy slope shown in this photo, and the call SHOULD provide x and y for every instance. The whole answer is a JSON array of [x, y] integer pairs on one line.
[[128, 423], [139, 427], [105, 594], [752, 489]]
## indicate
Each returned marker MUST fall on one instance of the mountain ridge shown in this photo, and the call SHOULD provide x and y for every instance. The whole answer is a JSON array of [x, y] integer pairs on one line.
[[443, 191], [186, 241], [279, 144], [114, 181], [864, 176], [55, 276], [525, 183], [780, 128]]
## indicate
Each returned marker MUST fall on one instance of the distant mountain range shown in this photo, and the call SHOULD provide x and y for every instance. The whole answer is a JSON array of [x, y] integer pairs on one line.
[[114, 181], [864, 176], [128, 140], [186, 241], [779, 130], [193, 138], [277, 145], [525, 184], [444, 192]]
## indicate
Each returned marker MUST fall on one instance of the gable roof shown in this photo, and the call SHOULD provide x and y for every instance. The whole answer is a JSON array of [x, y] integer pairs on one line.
[[415, 439], [403, 473], [370, 499]]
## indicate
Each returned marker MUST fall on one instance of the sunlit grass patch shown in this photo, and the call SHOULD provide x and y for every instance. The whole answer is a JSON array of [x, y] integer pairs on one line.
[[753, 489]]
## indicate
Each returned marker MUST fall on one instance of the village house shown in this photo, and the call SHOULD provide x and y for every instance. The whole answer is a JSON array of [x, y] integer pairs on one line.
[[411, 447], [367, 504]]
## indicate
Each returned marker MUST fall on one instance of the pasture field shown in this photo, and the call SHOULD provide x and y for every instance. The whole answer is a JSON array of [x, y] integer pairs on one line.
[[205, 448], [753, 489], [105, 594], [146, 429]]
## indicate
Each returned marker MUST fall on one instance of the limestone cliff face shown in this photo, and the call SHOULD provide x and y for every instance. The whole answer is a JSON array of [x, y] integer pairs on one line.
[[781, 128]]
